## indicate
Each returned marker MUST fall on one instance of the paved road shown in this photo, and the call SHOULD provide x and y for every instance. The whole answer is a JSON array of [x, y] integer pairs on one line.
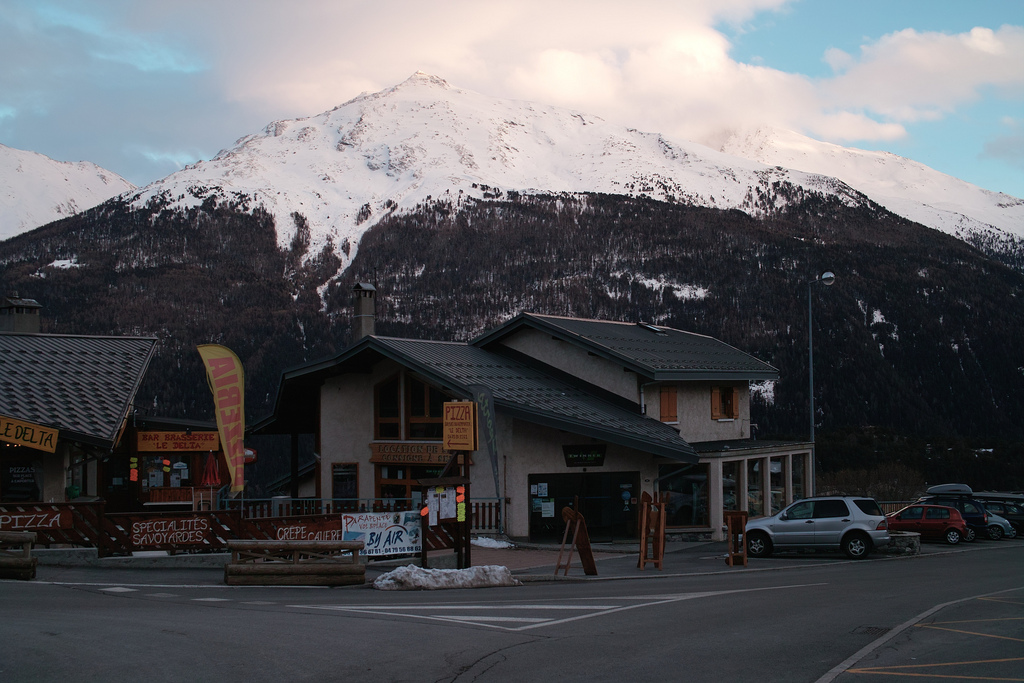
[[787, 619]]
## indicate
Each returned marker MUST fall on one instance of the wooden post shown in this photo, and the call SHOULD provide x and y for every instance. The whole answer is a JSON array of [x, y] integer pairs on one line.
[[736, 522], [652, 532]]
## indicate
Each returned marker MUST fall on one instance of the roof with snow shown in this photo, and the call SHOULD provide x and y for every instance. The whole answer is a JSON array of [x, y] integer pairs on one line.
[[83, 386], [656, 352]]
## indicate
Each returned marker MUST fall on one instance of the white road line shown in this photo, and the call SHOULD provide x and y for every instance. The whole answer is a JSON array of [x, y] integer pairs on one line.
[[416, 611], [211, 600], [120, 589]]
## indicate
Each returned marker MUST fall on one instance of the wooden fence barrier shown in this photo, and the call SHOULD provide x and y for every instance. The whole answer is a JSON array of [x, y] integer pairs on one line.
[[294, 563]]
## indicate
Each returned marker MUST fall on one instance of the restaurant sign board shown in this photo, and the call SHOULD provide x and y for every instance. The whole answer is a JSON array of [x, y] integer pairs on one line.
[[179, 441], [28, 434], [460, 426]]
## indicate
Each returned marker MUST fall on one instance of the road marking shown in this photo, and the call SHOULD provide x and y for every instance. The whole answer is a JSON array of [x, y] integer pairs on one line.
[[211, 599], [497, 620], [119, 589], [162, 595], [848, 663], [891, 670], [969, 633]]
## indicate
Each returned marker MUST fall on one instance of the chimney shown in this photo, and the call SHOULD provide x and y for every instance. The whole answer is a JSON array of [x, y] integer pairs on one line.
[[365, 304], [19, 315]]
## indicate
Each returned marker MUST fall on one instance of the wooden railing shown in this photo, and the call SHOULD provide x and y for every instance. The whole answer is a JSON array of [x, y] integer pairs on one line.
[[88, 525]]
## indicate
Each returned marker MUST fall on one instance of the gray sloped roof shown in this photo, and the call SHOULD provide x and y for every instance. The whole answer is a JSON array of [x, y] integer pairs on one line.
[[660, 353], [518, 390], [78, 384], [537, 397]]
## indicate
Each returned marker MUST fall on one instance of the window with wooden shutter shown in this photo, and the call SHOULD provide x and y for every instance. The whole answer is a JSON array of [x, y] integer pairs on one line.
[[724, 403], [669, 412]]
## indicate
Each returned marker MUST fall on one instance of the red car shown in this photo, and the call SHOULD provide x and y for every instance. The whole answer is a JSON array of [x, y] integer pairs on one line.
[[933, 522]]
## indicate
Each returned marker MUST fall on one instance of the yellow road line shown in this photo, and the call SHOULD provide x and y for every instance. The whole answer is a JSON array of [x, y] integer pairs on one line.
[[892, 670], [971, 633]]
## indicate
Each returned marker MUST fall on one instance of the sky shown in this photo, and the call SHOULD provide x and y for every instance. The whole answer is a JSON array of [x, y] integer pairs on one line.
[[143, 87]]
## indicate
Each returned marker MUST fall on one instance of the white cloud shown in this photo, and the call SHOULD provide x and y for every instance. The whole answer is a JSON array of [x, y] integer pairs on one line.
[[657, 65]]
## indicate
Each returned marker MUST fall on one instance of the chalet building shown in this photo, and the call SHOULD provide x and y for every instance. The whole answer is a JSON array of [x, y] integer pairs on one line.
[[64, 403], [591, 409], [69, 431]]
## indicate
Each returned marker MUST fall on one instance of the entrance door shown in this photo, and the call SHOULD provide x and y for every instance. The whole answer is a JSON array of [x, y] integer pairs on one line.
[[608, 501]]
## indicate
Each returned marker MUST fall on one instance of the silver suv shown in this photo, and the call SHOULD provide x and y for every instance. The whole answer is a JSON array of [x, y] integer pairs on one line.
[[852, 524]]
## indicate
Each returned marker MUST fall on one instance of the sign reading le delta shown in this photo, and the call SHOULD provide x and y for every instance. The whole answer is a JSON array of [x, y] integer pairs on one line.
[[28, 434]]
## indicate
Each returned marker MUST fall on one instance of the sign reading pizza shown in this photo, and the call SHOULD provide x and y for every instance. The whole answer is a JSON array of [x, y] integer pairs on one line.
[[460, 430]]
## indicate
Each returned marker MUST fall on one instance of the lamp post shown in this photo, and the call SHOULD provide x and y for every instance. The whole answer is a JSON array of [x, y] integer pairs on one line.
[[826, 278]]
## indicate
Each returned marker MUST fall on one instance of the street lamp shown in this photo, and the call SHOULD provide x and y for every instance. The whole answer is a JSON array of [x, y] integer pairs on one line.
[[826, 278]]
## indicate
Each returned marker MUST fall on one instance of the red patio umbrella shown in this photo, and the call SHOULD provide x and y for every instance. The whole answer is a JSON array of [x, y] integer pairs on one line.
[[211, 472]]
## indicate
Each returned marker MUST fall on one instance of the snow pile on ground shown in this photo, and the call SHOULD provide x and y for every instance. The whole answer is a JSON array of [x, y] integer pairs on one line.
[[411, 577], [485, 542]]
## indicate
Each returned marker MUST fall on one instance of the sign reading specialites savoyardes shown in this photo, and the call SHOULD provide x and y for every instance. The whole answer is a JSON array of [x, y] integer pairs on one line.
[[28, 434]]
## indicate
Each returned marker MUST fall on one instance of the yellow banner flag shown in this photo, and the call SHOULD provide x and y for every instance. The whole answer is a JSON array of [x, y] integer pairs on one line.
[[226, 378]]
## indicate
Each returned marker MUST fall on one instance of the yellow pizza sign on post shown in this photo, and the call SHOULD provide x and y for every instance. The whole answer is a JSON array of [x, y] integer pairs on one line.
[[460, 430]]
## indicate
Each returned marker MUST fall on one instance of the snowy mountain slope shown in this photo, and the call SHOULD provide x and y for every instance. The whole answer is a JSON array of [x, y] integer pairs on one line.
[[423, 139], [905, 187], [36, 190]]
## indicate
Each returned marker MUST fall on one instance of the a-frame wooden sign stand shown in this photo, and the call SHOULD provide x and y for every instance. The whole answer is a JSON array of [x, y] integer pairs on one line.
[[652, 532], [576, 528]]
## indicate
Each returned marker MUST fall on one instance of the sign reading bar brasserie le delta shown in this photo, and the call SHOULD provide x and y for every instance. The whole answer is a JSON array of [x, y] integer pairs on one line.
[[179, 441]]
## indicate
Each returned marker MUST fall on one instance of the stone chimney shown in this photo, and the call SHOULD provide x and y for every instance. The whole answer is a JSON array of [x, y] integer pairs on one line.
[[19, 315], [365, 304]]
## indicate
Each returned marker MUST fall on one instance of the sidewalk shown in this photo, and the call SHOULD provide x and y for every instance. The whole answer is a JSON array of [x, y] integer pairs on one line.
[[527, 562]]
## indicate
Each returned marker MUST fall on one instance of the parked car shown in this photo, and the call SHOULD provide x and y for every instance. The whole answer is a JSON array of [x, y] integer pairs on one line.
[[933, 522], [853, 524], [960, 496], [1007, 508], [998, 527]]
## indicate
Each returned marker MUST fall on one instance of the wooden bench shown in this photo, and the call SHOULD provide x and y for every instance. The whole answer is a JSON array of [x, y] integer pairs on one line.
[[16, 561], [294, 563]]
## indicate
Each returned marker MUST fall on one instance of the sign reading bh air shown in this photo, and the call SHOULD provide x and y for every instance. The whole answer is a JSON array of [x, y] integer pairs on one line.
[[28, 434], [227, 382]]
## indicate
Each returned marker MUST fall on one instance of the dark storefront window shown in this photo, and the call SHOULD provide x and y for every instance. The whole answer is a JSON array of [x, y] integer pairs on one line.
[[685, 492], [345, 481], [730, 479], [608, 501], [21, 478]]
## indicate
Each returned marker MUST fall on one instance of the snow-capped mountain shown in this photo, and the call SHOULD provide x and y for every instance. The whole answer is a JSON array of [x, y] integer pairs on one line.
[[424, 139], [36, 190], [905, 187]]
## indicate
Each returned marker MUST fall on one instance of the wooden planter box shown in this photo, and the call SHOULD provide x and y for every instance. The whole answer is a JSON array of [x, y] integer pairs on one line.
[[294, 563], [16, 561]]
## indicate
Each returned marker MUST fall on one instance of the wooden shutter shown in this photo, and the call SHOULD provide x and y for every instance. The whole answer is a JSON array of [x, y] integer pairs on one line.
[[669, 412], [735, 404], [716, 403]]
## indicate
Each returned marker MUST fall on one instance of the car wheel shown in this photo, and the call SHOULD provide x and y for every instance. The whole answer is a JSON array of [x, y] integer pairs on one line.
[[856, 546], [995, 532], [758, 544], [952, 536], [971, 534], [1012, 533]]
